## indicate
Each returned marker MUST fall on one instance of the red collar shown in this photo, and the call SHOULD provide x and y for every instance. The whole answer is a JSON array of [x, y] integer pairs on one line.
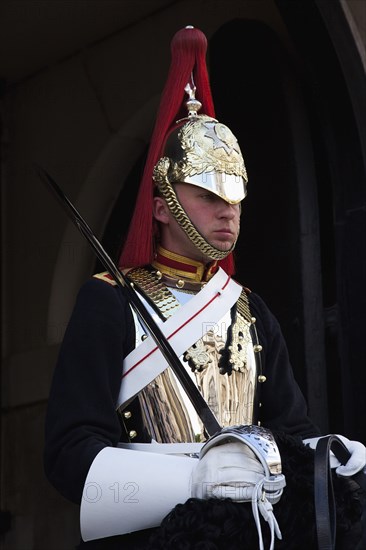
[[175, 265]]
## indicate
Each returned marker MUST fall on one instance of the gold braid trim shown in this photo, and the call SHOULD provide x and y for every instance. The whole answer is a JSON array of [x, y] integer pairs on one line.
[[106, 277], [243, 306]]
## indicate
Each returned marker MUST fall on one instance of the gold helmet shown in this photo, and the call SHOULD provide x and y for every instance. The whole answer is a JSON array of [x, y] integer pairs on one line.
[[203, 152]]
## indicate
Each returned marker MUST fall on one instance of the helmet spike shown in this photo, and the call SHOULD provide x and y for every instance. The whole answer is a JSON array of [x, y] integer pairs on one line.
[[192, 104]]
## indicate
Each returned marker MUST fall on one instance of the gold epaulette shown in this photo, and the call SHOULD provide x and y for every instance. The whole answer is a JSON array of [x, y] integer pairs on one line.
[[106, 277], [243, 304], [155, 290]]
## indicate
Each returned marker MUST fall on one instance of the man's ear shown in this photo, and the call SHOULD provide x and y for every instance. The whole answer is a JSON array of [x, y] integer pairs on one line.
[[161, 210]]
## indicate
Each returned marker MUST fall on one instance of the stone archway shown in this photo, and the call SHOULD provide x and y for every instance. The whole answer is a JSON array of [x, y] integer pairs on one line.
[[96, 201]]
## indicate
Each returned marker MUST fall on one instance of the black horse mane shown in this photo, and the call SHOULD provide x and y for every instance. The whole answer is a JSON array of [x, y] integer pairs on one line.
[[225, 525]]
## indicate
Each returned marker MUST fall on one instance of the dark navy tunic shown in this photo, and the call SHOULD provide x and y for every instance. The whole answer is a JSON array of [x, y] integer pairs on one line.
[[82, 418]]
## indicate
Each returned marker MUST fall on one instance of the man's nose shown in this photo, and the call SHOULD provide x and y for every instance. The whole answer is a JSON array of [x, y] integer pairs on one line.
[[227, 210]]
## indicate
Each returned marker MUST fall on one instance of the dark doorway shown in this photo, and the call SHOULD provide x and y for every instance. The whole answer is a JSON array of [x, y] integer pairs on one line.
[[301, 247], [323, 38]]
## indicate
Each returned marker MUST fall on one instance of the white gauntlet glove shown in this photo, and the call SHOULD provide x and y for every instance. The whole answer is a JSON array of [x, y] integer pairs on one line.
[[227, 471], [356, 462], [236, 464]]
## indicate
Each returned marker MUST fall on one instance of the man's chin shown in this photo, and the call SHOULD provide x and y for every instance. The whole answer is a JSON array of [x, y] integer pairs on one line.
[[223, 246]]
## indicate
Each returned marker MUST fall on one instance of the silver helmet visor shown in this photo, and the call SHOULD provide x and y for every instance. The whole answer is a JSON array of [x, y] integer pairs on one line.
[[230, 187]]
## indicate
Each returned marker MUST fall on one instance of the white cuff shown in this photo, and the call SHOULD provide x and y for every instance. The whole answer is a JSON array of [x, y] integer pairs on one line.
[[127, 491]]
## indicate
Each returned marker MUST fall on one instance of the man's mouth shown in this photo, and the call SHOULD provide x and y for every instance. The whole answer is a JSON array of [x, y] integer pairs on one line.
[[224, 232]]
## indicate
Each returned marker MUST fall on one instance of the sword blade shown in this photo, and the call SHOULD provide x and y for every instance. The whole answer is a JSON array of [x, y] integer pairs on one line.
[[202, 409]]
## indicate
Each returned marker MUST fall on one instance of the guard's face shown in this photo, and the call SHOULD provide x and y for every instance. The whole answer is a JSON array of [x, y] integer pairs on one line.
[[215, 219]]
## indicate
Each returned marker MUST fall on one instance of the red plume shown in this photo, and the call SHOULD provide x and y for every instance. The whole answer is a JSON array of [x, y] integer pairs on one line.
[[188, 57]]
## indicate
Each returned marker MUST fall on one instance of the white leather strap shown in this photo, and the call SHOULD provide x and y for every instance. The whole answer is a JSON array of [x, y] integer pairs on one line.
[[182, 330]]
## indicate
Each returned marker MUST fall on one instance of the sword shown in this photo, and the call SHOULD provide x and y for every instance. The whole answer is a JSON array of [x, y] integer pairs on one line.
[[202, 409]]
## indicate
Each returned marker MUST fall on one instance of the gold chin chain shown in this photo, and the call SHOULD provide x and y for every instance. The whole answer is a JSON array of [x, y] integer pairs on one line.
[[180, 215]]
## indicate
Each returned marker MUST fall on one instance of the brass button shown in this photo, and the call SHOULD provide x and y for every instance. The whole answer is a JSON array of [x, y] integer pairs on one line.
[[127, 414], [180, 283], [253, 320], [257, 348], [132, 434], [159, 275], [143, 337], [261, 378]]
